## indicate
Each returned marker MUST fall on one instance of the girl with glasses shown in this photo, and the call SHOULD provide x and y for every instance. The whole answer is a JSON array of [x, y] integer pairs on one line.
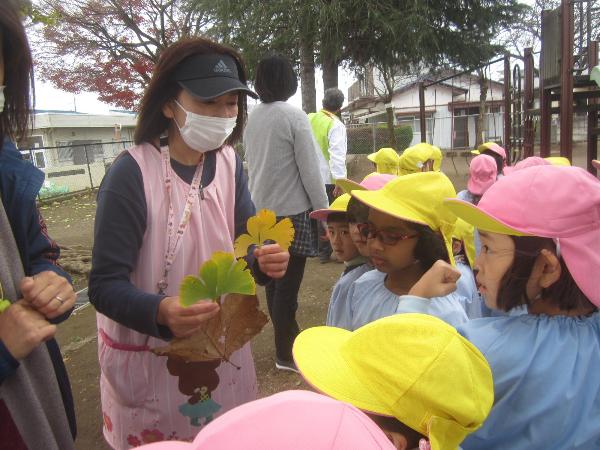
[[407, 232]]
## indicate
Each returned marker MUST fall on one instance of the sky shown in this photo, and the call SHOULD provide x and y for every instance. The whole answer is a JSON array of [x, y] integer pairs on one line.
[[47, 97]]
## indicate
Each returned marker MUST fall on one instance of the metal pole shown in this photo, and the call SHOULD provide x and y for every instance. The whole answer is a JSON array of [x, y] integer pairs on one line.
[[507, 143], [566, 82], [422, 112], [374, 135], [545, 106], [87, 160], [592, 122], [529, 135]]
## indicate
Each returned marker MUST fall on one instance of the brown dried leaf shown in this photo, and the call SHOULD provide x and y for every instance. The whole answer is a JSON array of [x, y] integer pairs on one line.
[[238, 321]]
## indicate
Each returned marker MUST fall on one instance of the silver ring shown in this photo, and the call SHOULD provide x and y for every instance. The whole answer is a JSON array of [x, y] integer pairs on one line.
[[57, 297]]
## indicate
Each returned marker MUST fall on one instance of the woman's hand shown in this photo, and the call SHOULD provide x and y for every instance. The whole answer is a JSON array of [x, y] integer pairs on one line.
[[272, 260], [185, 321], [22, 329], [439, 281], [48, 293]]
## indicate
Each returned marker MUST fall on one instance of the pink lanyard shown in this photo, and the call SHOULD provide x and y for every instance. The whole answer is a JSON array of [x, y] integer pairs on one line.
[[174, 237]]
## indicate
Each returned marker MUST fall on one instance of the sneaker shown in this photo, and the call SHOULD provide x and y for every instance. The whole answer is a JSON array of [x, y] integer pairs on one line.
[[286, 365]]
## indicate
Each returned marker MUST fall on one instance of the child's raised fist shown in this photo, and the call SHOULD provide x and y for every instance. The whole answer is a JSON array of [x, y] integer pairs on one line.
[[439, 281]]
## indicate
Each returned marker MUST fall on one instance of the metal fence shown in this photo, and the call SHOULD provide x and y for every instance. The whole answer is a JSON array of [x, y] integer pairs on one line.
[[73, 168]]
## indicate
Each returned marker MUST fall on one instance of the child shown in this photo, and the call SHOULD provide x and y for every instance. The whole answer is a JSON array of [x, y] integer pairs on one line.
[[357, 212], [540, 247], [415, 375], [418, 158], [344, 249], [495, 151], [483, 172], [463, 249], [408, 230], [288, 420], [386, 161]]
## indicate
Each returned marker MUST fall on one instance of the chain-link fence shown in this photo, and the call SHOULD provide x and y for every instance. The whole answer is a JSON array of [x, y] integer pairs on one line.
[[73, 168], [370, 137]]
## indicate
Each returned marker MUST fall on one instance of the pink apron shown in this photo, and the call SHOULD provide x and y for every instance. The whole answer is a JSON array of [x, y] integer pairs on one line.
[[144, 398]]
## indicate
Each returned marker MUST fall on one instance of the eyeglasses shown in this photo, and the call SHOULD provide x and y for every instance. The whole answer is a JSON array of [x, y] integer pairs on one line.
[[385, 237]]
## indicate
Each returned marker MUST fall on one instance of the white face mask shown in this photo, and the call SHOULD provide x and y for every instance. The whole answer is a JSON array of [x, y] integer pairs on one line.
[[2, 98], [205, 133]]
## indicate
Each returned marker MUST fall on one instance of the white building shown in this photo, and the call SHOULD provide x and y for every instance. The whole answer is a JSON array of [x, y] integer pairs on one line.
[[451, 108], [73, 149]]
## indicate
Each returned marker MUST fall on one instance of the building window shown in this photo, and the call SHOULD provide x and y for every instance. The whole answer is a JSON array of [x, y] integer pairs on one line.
[[37, 157], [79, 152]]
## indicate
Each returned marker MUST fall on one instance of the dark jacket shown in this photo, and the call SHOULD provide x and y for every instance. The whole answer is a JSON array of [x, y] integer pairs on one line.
[[20, 183]]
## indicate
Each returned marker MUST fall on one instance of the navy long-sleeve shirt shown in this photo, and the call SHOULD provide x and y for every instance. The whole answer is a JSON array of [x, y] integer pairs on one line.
[[121, 218]]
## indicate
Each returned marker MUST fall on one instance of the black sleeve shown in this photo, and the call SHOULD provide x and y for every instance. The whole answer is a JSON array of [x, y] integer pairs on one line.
[[121, 216]]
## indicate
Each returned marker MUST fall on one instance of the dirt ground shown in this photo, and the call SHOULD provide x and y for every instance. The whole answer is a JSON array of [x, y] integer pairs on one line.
[[71, 222]]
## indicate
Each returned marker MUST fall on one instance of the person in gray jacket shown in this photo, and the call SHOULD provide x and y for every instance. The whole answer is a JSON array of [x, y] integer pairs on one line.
[[284, 176]]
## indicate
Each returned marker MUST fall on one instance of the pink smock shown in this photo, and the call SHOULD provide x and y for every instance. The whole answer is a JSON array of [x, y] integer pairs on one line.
[[147, 398]]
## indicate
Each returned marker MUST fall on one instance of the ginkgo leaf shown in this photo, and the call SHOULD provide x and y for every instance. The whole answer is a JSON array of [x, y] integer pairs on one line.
[[221, 274], [4, 304], [264, 227], [238, 321]]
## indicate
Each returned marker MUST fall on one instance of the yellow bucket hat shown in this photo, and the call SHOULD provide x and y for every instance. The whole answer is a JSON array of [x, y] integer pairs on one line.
[[339, 205], [558, 160], [386, 159], [417, 198], [414, 158], [413, 367], [465, 232], [437, 157]]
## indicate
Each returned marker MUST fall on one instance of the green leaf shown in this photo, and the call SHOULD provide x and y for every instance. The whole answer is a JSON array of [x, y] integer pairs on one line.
[[3, 305], [221, 274]]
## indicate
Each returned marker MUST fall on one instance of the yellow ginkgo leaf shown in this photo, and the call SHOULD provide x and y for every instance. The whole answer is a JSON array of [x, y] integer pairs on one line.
[[264, 227]]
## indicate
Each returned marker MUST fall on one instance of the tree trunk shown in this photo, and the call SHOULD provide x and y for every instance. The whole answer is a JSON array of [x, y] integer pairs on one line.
[[307, 75], [390, 123], [481, 120], [330, 71]]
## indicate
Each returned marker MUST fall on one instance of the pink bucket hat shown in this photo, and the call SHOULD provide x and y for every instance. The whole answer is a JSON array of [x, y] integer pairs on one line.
[[562, 203], [482, 174], [527, 162], [288, 420], [371, 182], [491, 146]]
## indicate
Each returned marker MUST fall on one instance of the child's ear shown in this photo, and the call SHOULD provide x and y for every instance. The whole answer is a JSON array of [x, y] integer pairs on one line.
[[552, 268], [397, 439], [456, 246], [546, 271]]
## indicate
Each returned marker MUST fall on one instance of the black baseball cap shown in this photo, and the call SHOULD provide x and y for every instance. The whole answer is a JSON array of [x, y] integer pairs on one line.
[[209, 76]]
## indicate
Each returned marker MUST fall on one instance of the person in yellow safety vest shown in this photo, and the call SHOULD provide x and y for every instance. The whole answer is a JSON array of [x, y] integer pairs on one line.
[[330, 135], [418, 158], [386, 161]]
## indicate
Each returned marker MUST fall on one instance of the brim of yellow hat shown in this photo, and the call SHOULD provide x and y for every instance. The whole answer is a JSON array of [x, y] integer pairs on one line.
[[348, 185], [317, 354], [380, 202], [596, 163], [558, 161], [372, 157], [479, 219], [339, 205]]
